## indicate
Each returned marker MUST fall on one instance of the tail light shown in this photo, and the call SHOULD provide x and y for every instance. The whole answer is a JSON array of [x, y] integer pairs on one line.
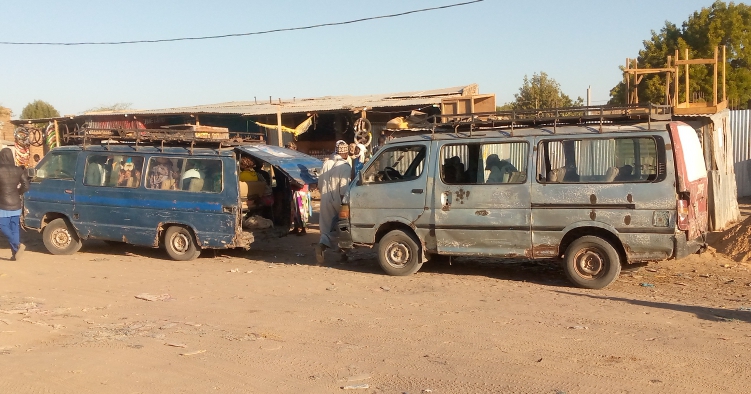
[[682, 208], [344, 212]]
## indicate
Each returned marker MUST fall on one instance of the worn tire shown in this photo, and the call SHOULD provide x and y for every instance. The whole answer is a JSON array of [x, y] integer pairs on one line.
[[60, 238], [180, 244], [399, 254], [592, 262]]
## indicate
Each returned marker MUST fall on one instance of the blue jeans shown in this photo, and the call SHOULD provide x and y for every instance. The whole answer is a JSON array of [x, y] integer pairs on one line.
[[10, 228]]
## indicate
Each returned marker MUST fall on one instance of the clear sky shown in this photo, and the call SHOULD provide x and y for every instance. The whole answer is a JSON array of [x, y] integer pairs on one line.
[[494, 43]]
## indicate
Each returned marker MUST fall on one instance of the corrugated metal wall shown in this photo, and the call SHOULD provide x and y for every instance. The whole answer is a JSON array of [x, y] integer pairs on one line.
[[740, 129]]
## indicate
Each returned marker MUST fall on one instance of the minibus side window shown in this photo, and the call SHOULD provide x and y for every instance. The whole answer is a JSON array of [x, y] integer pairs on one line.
[[601, 160], [113, 171], [496, 163], [192, 175], [57, 166]]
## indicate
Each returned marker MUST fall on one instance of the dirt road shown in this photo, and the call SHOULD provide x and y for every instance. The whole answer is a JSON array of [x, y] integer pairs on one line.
[[269, 321]]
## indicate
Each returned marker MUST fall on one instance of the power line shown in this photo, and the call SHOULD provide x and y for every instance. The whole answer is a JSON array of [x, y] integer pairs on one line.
[[246, 34]]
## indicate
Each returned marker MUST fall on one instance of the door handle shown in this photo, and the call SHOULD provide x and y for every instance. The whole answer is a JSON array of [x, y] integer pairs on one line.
[[417, 191], [228, 209], [68, 191]]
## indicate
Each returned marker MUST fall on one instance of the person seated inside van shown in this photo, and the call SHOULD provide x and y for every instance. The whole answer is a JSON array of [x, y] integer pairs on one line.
[[95, 171], [193, 177], [129, 174], [624, 173], [453, 170], [162, 175], [500, 170], [248, 171]]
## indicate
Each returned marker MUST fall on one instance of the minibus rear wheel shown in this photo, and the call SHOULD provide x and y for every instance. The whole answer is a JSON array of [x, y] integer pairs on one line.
[[180, 244], [592, 262], [60, 238], [399, 254]]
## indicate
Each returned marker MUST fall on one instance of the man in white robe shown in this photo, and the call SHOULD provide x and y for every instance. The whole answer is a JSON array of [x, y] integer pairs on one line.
[[332, 183]]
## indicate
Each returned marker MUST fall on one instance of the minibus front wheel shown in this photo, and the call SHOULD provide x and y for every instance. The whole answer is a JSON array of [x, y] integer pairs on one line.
[[399, 253], [180, 244], [60, 238], [592, 262]]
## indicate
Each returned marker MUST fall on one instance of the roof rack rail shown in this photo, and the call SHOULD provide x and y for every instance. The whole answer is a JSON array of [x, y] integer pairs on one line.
[[599, 114], [205, 136]]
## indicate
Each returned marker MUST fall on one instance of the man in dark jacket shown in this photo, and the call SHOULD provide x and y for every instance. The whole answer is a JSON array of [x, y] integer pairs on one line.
[[13, 183]]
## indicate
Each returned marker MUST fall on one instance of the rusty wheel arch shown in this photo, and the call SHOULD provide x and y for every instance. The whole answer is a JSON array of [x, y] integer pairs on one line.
[[579, 232], [389, 226]]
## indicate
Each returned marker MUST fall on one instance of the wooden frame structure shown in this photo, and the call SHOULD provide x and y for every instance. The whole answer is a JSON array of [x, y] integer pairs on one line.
[[632, 73]]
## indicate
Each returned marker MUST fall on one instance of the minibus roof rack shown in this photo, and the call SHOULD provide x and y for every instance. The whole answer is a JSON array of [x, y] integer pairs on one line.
[[510, 119], [170, 137]]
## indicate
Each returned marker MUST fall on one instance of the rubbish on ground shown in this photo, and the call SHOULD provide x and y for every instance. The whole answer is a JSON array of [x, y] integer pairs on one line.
[[385, 288], [356, 386], [644, 284], [152, 297], [234, 270], [174, 344], [193, 353], [651, 269], [681, 283]]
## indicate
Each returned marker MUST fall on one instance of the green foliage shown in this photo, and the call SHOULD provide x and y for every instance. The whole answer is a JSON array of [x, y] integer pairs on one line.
[[39, 109], [720, 24], [540, 91], [109, 108]]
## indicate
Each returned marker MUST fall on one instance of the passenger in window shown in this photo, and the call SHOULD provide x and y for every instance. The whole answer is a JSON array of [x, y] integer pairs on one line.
[[624, 173], [453, 170], [500, 170], [248, 171], [163, 175], [95, 172], [129, 176], [193, 177], [213, 180]]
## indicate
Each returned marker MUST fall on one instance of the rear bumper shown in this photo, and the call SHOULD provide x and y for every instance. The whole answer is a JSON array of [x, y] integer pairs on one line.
[[685, 247]]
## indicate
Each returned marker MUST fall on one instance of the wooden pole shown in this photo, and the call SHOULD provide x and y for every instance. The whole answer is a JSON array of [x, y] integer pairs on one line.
[[688, 101], [714, 86], [675, 81], [279, 125], [724, 77], [628, 81]]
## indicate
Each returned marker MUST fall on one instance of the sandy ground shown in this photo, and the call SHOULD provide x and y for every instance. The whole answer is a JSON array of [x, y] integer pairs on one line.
[[268, 320]]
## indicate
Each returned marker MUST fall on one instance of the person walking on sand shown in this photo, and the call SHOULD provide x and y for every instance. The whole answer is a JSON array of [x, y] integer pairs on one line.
[[332, 183], [13, 184]]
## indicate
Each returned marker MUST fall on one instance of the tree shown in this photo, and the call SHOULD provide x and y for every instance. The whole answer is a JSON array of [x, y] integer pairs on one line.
[[110, 108], [722, 23], [541, 91], [39, 109]]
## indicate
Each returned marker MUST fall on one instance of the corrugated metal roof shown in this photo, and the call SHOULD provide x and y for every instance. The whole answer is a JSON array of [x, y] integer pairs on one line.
[[318, 104]]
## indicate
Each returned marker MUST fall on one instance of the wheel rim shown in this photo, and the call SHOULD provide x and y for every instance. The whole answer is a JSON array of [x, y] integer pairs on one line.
[[590, 263], [398, 255], [61, 238], [180, 243]]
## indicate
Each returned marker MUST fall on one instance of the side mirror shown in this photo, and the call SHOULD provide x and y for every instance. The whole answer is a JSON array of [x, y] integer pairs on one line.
[[31, 172]]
